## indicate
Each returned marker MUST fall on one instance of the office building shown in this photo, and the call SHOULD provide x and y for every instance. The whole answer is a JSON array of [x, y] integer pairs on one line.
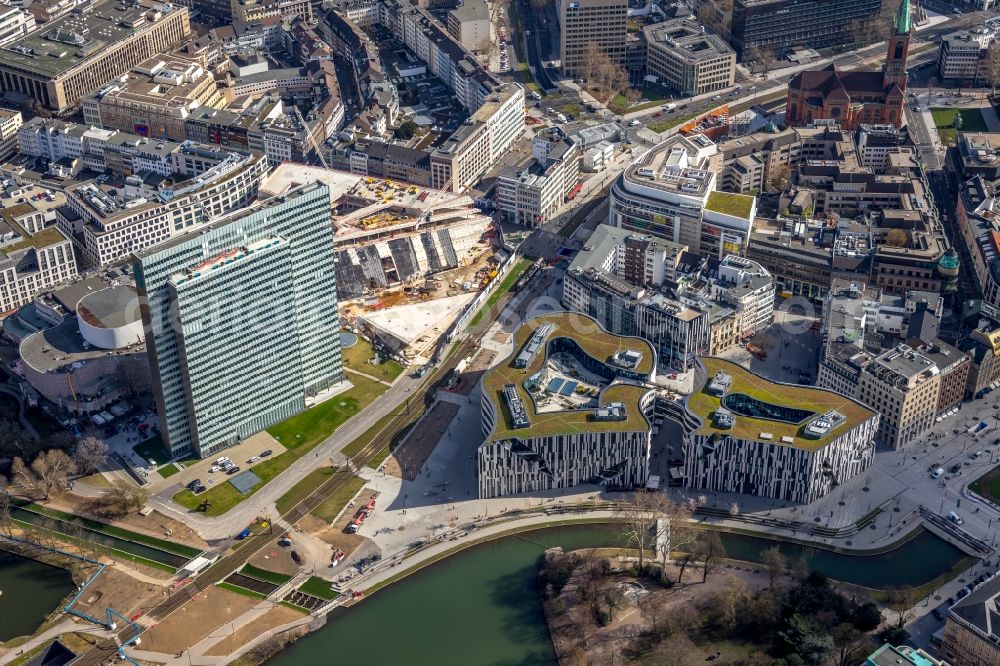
[[10, 123], [962, 58], [778, 25], [265, 274], [33, 256], [546, 427], [681, 55], [670, 192], [585, 25], [78, 53], [859, 96], [683, 304], [983, 349], [154, 98], [745, 434], [970, 636], [533, 195], [15, 23]]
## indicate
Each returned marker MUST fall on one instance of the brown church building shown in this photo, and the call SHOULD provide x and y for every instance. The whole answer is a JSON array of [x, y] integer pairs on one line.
[[857, 97]]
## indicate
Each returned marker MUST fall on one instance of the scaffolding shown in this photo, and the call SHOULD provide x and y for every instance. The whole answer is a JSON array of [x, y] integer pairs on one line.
[[109, 621]]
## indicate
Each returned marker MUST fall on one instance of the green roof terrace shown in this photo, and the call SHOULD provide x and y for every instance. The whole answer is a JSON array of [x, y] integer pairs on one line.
[[796, 397], [594, 341]]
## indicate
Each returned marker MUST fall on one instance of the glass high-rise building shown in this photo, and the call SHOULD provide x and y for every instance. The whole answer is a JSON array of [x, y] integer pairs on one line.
[[241, 320]]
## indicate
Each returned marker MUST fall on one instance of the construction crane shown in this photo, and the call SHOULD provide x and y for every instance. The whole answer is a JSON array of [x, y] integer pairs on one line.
[[312, 139]]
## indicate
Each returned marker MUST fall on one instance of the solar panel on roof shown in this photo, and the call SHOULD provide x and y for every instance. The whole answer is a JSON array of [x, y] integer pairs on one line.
[[554, 385]]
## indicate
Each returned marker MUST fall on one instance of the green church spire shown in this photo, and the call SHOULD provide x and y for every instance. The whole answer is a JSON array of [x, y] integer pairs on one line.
[[903, 18]]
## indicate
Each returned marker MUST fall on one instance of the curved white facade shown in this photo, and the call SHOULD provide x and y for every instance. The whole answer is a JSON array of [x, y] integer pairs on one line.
[[110, 329]]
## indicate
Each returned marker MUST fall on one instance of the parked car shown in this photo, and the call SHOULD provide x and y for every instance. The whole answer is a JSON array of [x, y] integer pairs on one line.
[[232, 470], [194, 484], [265, 454], [938, 615], [252, 460]]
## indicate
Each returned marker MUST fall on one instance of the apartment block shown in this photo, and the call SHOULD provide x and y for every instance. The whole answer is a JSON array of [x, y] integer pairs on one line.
[[470, 24], [262, 274], [683, 56], [15, 23], [78, 53], [584, 24]]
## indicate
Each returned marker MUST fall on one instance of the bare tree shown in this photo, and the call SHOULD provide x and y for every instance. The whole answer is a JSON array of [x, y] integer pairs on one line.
[[850, 644], [119, 496], [901, 601], [710, 551], [598, 69], [991, 65], [781, 178], [23, 478], [90, 454], [674, 531], [776, 564], [639, 515], [675, 651], [6, 502], [53, 468]]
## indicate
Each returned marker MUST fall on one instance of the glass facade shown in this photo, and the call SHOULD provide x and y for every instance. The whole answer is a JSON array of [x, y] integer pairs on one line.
[[241, 320]]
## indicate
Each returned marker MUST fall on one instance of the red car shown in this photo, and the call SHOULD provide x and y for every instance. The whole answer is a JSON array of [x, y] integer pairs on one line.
[[657, 114]]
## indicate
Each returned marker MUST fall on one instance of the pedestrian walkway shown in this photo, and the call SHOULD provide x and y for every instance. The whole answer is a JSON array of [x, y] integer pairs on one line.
[[367, 376]]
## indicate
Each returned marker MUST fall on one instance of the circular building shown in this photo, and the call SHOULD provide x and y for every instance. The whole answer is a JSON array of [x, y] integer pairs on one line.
[[90, 361], [109, 318]]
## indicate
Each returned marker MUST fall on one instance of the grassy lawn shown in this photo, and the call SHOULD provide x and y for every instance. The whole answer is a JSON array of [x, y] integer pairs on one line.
[[318, 587], [168, 470], [359, 358], [333, 504], [241, 590], [944, 120], [263, 574], [988, 485], [304, 488], [301, 434], [96, 480], [309, 428], [111, 530], [152, 448], [653, 97], [504, 287]]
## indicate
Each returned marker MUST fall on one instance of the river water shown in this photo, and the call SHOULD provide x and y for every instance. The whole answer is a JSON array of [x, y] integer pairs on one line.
[[29, 591], [481, 606]]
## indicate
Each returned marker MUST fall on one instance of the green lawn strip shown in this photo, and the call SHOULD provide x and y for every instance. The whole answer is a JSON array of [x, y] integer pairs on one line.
[[358, 357], [110, 530], [307, 429], [664, 125], [251, 571], [318, 587], [300, 434], [289, 604], [328, 510], [304, 488], [988, 485], [101, 548], [504, 287], [168, 470], [27, 656], [253, 594], [153, 449]]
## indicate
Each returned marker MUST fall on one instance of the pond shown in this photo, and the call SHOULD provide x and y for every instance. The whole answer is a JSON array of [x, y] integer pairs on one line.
[[481, 606]]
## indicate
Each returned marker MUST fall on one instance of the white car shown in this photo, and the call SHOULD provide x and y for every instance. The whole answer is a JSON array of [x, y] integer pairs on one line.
[[214, 468], [253, 460]]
